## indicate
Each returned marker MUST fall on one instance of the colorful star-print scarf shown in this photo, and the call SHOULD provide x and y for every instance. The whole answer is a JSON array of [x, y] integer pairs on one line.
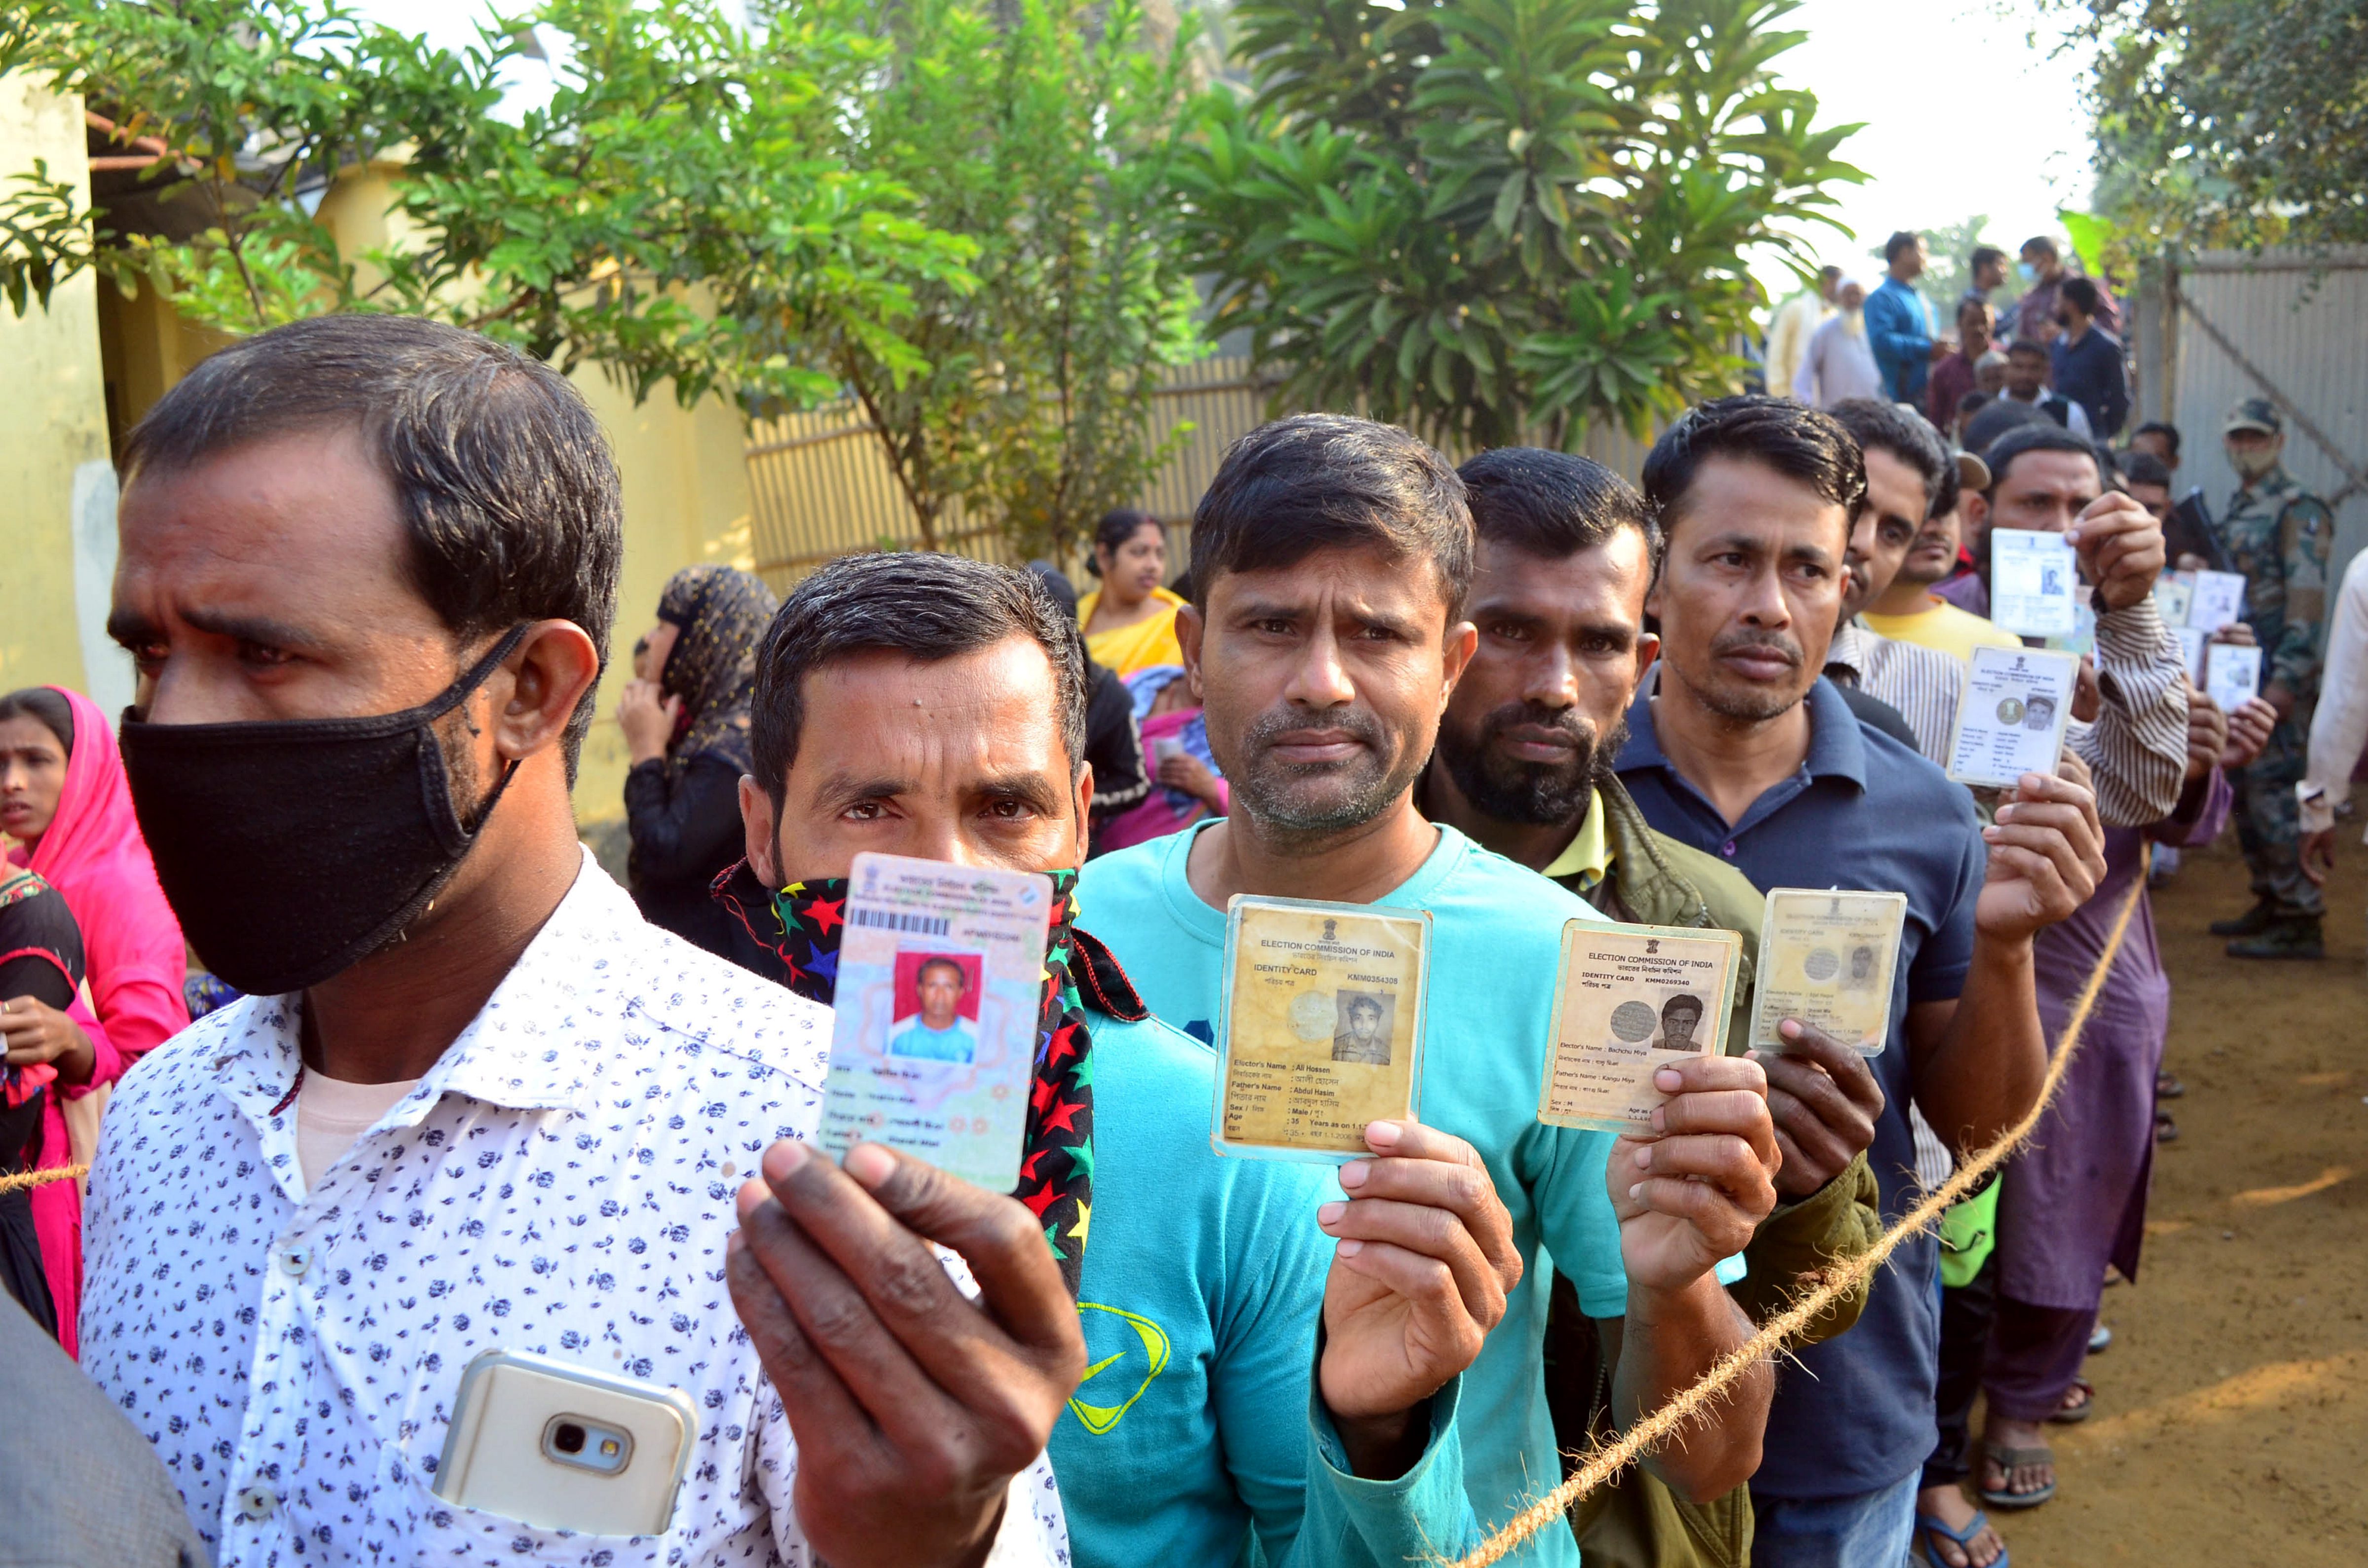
[[796, 932]]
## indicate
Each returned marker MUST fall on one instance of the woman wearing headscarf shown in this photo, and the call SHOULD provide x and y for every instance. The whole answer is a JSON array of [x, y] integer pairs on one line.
[[64, 801], [686, 729]]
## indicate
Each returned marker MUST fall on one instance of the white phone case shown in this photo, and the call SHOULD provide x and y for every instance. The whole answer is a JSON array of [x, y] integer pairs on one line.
[[507, 1452]]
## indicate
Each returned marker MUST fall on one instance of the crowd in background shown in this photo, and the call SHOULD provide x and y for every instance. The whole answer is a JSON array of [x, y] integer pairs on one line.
[[1516, 694]]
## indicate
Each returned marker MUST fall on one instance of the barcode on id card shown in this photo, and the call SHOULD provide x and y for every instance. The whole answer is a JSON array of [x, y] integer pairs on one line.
[[891, 920]]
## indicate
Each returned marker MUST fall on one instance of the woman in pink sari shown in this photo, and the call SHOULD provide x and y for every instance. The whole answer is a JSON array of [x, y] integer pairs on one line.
[[64, 801]]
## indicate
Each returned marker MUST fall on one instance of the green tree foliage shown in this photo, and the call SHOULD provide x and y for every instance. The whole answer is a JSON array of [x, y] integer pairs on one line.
[[2224, 122], [1042, 130], [1502, 220]]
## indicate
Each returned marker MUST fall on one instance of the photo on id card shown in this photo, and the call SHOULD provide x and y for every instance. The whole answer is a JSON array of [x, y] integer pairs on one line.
[[1320, 1026], [2012, 716], [933, 1037], [1631, 1000], [2232, 674], [1827, 958]]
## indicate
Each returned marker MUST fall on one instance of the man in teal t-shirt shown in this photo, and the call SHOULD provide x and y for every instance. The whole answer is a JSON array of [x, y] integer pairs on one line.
[[1330, 558], [930, 706]]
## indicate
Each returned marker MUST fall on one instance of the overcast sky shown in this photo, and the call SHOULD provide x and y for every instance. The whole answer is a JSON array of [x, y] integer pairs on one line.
[[1963, 113]]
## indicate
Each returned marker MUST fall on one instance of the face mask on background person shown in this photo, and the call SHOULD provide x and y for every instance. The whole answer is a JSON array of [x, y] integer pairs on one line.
[[2027, 272], [290, 848], [2252, 462]]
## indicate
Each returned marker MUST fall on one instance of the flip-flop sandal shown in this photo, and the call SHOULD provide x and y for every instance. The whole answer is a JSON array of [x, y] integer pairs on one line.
[[2072, 1411], [2167, 1086], [1925, 1554], [2009, 1459], [2101, 1338]]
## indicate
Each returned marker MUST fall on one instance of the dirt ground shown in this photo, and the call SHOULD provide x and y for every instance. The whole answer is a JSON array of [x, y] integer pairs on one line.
[[2232, 1409]]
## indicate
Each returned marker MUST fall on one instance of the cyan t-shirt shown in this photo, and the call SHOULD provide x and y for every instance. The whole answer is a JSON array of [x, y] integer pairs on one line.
[[1496, 945], [1202, 1286], [952, 1043]]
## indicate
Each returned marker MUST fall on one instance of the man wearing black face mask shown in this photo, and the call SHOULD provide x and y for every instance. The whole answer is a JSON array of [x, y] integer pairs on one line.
[[472, 1101]]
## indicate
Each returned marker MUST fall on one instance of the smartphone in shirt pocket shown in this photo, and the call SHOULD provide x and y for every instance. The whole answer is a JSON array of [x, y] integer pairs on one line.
[[561, 1447]]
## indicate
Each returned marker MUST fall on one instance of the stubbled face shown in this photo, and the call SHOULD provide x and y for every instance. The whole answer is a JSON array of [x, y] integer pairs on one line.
[[1678, 1026], [1365, 1021], [2025, 373], [2044, 491], [959, 760], [1752, 589], [1543, 705], [32, 778], [941, 987], [1934, 555], [1886, 529], [1323, 683], [1132, 570]]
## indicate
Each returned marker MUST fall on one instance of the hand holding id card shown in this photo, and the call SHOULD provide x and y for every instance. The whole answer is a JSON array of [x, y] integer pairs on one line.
[[2035, 583], [1631, 1000], [2232, 674], [1322, 1015], [2011, 719], [933, 1037], [1827, 958]]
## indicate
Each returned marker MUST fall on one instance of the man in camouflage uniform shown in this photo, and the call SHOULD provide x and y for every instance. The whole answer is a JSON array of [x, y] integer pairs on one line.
[[2279, 536]]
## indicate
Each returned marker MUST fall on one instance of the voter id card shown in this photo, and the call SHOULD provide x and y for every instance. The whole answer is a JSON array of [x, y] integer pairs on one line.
[[2232, 674], [2191, 644], [933, 1034], [1631, 1000], [1826, 957], [2219, 599], [2174, 596], [2035, 583], [1320, 1026], [2012, 716]]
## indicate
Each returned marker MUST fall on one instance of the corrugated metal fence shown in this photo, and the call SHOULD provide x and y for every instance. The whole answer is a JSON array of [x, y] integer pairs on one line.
[[821, 486], [2220, 326]]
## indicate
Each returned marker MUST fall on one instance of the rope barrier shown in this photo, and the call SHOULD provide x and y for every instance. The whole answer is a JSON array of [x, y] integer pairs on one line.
[[1647, 1434], [23, 1179]]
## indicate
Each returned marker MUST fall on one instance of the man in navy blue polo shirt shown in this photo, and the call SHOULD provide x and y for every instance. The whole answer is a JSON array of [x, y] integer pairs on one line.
[[1742, 749]]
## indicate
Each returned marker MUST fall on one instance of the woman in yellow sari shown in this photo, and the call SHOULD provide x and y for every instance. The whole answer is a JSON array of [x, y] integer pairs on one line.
[[1130, 620]]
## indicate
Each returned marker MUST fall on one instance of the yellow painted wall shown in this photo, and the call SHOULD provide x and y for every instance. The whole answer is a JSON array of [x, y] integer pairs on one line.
[[52, 420]]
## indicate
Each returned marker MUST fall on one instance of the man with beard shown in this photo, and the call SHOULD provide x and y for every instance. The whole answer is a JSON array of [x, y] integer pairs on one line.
[[930, 706], [368, 567], [1523, 766], [1331, 559], [1741, 749]]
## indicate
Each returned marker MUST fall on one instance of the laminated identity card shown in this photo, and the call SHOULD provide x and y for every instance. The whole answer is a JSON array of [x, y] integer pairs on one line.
[[2084, 632], [2190, 648], [933, 1038], [1320, 1026], [2232, 675], [2219, 599], [1631, 1000], [2011, 719], [2034, 584], [1827, 958], [2174, 596]]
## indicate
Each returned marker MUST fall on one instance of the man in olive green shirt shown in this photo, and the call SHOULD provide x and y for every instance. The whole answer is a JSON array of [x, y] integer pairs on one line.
[[1523, 766]]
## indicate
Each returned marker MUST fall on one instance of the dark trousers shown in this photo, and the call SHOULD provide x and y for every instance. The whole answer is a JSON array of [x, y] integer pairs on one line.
[[1966, 1312]]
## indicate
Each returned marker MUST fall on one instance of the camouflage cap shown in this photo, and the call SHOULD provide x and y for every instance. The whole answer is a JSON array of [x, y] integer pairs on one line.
[[2253, 413]]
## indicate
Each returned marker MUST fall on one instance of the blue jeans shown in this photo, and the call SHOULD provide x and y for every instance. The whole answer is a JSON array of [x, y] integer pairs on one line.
[[1872, 1529]]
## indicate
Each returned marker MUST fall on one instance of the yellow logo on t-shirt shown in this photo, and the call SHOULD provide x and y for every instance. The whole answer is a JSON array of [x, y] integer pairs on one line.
[[1146, 1349]]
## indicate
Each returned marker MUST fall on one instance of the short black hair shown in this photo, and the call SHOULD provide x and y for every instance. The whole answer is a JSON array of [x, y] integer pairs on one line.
[[1551, 504], [2027, 345], [2041, 435], [925, 606], [1799, 442], [1323, 481], [1682, 1003], [507, 489], [1876, 423], [1971, 302], [1118, 526], [1951, 491], [2044, 246], [2167, 431], [1901, 239], [1983, 254], [1998, 416], [2080, 291], [2144, 468], [938, 961], [46, 706]]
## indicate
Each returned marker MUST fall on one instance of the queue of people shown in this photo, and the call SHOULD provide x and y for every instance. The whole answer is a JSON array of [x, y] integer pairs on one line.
[[471, 1096]]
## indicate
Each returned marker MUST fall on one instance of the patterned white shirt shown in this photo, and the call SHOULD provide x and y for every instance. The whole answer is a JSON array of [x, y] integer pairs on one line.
[[560, 1181]]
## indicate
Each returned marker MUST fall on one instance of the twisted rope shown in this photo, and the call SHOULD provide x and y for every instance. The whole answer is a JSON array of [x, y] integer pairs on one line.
[[1647, 1434], [23, 1179]]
